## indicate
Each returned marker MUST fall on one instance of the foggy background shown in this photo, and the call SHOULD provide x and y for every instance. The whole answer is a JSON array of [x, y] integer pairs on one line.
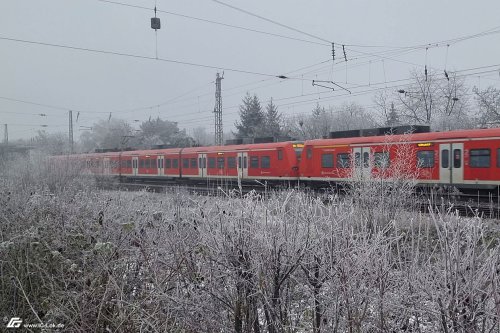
[[383, 40]]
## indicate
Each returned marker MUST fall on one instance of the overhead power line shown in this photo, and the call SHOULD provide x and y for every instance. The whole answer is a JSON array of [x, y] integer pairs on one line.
[[137, 56], [324, 42], [273, 22], [214, 22]]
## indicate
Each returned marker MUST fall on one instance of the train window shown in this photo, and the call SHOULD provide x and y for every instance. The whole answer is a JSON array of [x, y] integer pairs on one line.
[[231, 162], [254, 162], [425, 159], [298, 153], [141, 163], [193, 164], [479, 158], [204, 160], [175, 163], [498, 158], [244, 162], [445, 158], [343, 160], [200, 162], [280, 155], [158, 164], [457, 158], [265, 162], [309, 153], [357, 159], [185, 163], [168, 163], [327, 160], [366, 159], [381, 160], [220, 162], [211, 162], [239, 162]]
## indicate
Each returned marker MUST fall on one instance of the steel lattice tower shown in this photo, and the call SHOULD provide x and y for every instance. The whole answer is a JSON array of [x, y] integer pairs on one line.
[[218, 111]]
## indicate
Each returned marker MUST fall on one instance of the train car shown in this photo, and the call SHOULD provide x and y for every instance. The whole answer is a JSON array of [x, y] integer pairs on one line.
[[463, 159], [267, 161]]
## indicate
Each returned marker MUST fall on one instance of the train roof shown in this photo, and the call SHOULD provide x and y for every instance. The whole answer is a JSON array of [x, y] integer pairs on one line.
[[420, 137], [242, 147], [209, 149]]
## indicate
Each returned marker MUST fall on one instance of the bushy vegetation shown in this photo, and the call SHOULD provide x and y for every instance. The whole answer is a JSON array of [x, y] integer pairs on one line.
[[104, 261]]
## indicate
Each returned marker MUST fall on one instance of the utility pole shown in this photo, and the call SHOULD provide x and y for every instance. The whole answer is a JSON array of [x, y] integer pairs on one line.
[[218, 111], [71, 131], [6, 135]]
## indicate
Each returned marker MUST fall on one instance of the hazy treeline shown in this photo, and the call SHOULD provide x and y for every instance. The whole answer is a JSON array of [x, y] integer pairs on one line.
[[174, 262]]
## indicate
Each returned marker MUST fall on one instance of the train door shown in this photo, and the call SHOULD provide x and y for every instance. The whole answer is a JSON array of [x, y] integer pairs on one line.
[[243, 165], [451, 168], [202, 165], [107, 166], [362, 163], [160, 160], [135, 166]]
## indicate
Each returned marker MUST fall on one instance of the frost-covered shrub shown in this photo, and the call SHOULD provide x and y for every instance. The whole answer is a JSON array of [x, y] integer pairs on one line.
[[114, 261]]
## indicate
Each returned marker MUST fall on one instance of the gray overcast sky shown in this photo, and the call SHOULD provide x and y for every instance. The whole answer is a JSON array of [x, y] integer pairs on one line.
[[96, 83]]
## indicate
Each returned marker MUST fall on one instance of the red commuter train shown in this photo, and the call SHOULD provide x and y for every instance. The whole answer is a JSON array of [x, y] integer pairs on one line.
[[267, 161], [464, 159]]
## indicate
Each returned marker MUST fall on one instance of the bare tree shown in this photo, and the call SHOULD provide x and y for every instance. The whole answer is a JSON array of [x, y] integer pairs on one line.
[[488, 101], [430, 96]]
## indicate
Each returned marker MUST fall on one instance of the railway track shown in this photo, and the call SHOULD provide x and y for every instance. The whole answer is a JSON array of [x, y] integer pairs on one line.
[[204, 188], [486, 205]]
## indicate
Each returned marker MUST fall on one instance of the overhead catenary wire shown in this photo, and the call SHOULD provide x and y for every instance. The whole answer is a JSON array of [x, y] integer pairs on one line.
[[137, 56], [267, 79], [65, 108], [490, 31], [366, 54], [329, 98], [324, 42], [273, 21], [190, 17], [315, 99]]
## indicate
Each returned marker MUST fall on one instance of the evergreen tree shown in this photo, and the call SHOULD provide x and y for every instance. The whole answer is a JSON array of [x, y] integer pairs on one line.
[[320, 122], [273, 120], [252, 118]]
